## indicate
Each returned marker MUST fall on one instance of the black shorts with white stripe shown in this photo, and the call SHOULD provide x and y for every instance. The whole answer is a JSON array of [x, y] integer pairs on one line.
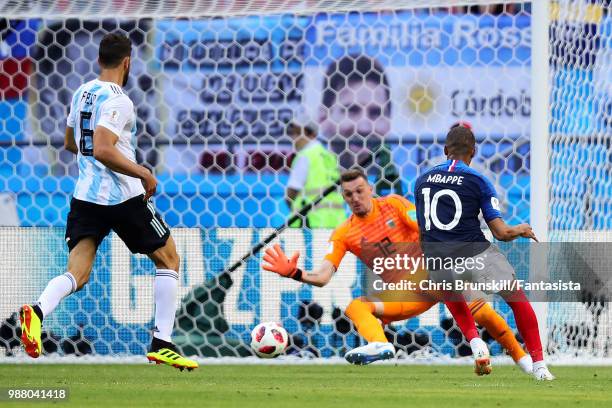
[[135, 221]]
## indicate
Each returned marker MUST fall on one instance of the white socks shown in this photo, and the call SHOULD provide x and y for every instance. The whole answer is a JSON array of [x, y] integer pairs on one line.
[[526, 364], [166, 289], [57, 289]]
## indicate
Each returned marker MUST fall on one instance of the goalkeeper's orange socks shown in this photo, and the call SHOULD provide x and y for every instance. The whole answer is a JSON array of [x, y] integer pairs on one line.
[[362, 315], [365, 317], [488, 318], [394, 311]]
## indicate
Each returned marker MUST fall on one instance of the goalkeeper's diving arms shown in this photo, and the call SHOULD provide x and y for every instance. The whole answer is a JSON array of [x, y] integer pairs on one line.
[[276, 261]]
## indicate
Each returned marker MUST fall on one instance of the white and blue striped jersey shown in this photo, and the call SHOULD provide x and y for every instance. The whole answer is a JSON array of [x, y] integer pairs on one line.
[[99, 103]]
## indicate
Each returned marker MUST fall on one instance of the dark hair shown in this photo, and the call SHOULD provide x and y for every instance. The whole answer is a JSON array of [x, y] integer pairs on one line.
[[352, 174], [113, 48], [462, 123], [308, 131], [350, 69], [460, 140]]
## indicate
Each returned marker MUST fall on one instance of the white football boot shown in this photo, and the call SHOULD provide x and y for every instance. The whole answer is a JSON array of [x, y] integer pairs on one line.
[[370, 353], [541, 373], [482, 359]]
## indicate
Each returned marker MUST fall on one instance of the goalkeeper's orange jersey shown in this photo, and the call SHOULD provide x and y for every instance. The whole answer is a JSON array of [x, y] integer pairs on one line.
[[392, 220]]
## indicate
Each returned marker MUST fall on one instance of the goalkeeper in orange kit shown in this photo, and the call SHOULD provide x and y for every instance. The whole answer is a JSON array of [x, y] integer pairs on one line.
[[386, 220]]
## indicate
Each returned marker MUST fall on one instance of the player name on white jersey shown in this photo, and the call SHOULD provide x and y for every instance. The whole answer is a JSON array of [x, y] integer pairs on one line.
[[439, 178], [89, 98]]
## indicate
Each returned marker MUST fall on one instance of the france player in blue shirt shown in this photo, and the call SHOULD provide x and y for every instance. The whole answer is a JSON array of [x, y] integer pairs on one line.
[[449, 198]]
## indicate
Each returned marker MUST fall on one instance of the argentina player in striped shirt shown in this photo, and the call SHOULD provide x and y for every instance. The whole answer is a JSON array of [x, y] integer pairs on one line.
[[112, 193]]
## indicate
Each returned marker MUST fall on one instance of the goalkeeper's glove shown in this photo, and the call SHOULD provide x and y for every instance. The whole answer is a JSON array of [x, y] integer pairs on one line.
[[277, 262]]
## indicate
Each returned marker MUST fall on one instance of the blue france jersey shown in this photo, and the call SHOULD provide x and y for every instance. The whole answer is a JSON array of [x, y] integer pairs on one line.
[[100, 103], [449, 198]]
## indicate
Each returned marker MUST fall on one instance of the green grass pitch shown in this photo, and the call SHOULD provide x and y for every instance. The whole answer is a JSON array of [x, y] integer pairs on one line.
[[310, 386]]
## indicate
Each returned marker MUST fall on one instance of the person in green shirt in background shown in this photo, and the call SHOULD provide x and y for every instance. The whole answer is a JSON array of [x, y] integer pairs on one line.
[[314, 168]]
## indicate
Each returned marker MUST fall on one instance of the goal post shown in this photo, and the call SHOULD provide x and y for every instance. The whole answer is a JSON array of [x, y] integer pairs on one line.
[[215, 83], [539, 166], [579, 176]]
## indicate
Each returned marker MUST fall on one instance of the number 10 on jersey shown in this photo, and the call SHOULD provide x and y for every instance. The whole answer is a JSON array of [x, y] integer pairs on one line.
[[431, 209]]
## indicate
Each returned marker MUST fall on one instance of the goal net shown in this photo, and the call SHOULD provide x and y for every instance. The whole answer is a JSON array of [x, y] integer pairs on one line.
[[580, 150], [214, 85]]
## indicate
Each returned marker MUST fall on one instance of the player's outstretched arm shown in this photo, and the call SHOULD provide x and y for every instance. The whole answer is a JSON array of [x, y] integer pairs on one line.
[[107, 154], [276, 261], [321, 276], [504, 232], [69, 142]]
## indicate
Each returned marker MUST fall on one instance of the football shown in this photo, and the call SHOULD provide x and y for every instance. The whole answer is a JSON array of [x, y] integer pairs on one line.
[[268, 340]]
